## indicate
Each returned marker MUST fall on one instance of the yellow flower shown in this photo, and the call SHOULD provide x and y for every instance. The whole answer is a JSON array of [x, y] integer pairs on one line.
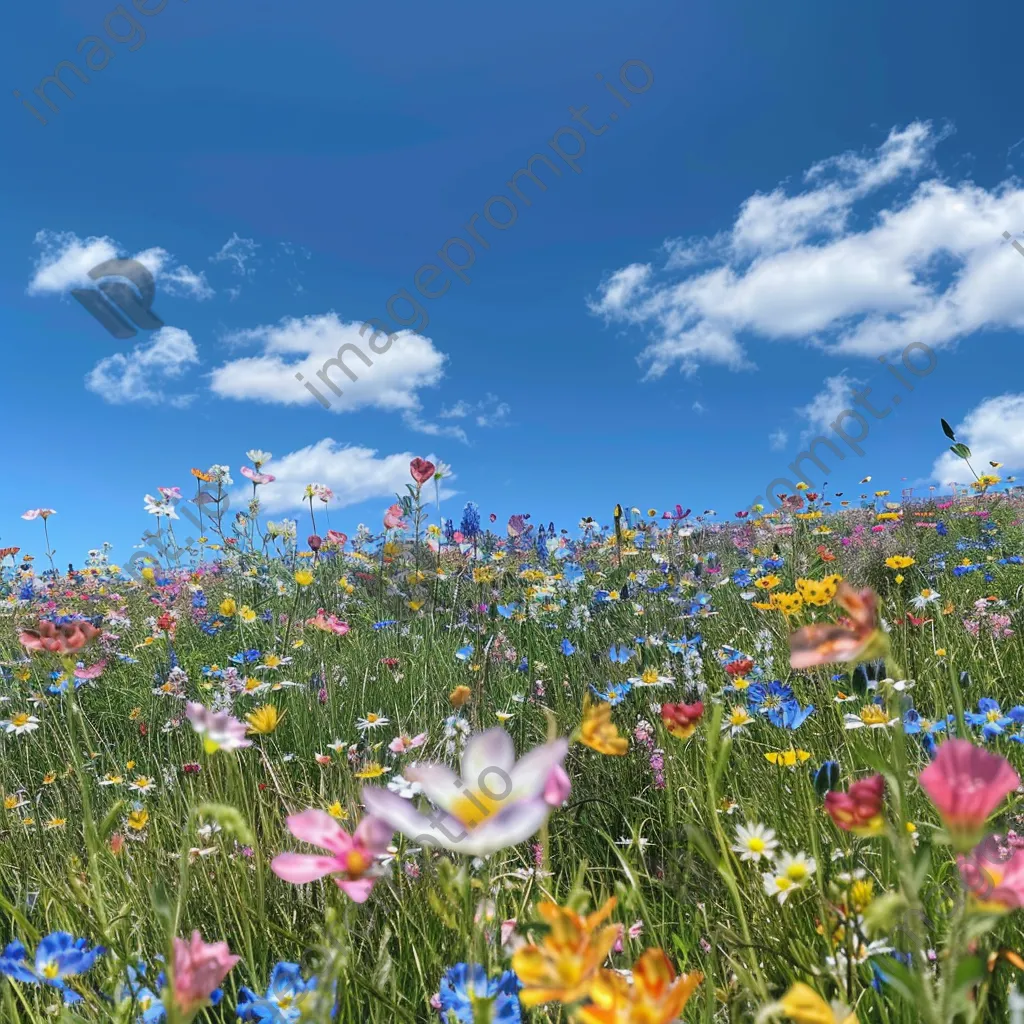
[[804, 1006], [55, 823], [862, 893], [415, 605], [337, 812], [228, 607], [941, 652], [900, 577], [265, 719], [801, 486], [887, 517], [247, 614], [767, 582], [303, 577], [138, 819], [899, 562], [370, 771], [598, 731], [49, 778], [346, 586], [788, 604], [787, 758], [567, 959], [484, 574], [148, 575]]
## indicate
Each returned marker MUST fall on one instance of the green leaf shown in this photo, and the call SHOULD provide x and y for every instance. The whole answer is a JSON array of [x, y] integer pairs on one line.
[[705, 847], [109, 821], [960, 451], [947, 430], [901, 978], [969, 972]]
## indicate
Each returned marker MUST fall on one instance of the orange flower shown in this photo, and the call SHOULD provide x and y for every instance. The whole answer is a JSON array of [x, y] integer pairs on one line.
[[460, 695], [597, 730], [824, 554], [657, 995], [563, 964], [200, 475]]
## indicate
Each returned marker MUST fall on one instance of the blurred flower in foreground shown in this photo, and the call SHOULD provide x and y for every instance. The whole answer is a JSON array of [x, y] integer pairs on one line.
[[861, 640], [199, 968], [859, 810], [65, 639], [598, 731], [217, 728], [804, 1006]]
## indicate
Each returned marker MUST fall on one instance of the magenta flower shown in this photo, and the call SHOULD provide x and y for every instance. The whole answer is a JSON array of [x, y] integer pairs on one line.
[[421, 470], [336, 538], [257, 478], [996, 885], [199, 969], [967, 784], [351, 857]]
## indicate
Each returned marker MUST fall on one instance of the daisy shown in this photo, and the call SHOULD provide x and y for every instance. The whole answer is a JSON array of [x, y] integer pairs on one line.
[[871, 716], [650, 677], [112, 779], [371, 721], [754, 842], [142, 784], [21, 723], [736, 720], [925, 598], [792, 872]]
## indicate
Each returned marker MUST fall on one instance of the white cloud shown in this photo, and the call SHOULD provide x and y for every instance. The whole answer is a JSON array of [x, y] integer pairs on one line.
[[778, 439], [698, 408], [136, 376], [930, 267], [414, 421], [355, 474], [238, 251], [311, 344], [994, 431], [65, 260], [490, 411], [825, 407]]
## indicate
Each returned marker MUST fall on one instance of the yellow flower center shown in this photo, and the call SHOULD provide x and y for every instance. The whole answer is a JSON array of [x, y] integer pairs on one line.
[[474, 808], [755, 844], [649, 676], [872, 714]]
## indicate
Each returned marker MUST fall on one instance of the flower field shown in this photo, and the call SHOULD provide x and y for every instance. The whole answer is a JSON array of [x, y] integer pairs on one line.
[[677, 766]]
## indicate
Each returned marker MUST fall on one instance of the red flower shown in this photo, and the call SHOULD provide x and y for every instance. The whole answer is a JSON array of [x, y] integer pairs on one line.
[[165, 623], [681, 719], [143, 728], [62, 640], [740, 667], [859, 810], [191, 768], [421, 470], [314, 541]]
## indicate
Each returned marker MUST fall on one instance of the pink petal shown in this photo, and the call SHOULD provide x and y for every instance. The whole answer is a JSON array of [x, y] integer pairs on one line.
[[300, 868], [357, 891], [319, 829]]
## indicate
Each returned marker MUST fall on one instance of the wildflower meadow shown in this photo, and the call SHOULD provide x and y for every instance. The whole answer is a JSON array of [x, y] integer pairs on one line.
[[673, 765]]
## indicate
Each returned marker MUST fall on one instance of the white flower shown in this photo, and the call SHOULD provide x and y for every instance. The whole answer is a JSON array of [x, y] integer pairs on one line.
[[925, 598], [371, 721], [20, 724], [258, 457], [404, 788], [754, 842], [736, 720], [650, 677], [221, 475], [792, 872], [159, 507], [871, 716], [142, 784]]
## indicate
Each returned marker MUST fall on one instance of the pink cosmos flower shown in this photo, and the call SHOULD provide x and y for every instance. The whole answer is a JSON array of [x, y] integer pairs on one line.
[[62, 640], [498, 801], [170, 492], [558, 787], [823, 643], [199, 969], [393, 518], [402, 744], [336, 538], [328, 623], [351, 856], [257, 478], [967, 784], [996, 885], [421, 470], [39, 513]]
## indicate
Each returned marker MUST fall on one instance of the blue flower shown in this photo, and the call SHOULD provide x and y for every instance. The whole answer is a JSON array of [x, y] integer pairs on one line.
[[506, 611], [826, 777], [242, 657], [940, 529], [144, 998], [793, 716], [989, 716], [464, 984], [464, 653], [684, 645], [742, 577], [284, 1000], [771, 700], [913, 723], [470, 525], [58, 956], [619, 654], [615, 694], [567, 648], [384, 623]]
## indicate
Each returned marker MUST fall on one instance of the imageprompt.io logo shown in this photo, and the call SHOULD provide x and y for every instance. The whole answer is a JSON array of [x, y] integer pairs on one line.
[[122, 298]]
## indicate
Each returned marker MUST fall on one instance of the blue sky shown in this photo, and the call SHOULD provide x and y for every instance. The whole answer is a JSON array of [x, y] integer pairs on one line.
[[800, 190]]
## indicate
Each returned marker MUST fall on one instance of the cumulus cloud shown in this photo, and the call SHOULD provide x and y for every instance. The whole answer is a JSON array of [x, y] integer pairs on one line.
[[824, 267], [355, 474], [827, 405], [778, 439], [994, 431], [310, 345], [137, 376], [64, 262]]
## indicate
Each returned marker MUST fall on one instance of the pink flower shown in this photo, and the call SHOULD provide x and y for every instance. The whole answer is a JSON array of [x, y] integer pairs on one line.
[[256, 478], [558, 787], [336, 538], [92, 672], [351, 856], [39, 513], [967, 784], [421, 470], [997, 885], [328, 623], [170, 492], [218, 729], [62, 640], [393, 518], [199, 968], [824, 643], [402, 744]]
